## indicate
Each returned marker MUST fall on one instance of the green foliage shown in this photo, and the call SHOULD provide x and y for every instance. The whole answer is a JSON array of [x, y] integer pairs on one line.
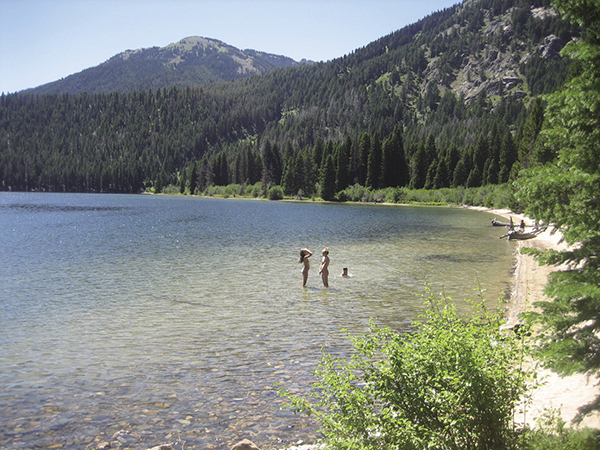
[[452, 382], [275, 193], [551, 433], [328, 179], [565, 191], [490, 196], [355, 193]]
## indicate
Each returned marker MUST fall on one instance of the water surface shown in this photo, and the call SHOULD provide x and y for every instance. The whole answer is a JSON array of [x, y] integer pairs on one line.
[[172, 318]]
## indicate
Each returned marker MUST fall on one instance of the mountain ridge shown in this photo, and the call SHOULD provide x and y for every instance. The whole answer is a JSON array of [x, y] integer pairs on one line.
[[191, 61]]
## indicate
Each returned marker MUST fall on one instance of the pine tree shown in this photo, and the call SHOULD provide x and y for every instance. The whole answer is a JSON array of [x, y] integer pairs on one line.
[[460, 174], [440, 179], [394, 170], [308, 174], [220, 169], [566, 192], [474, 179], [342, 162], [317, 153], [328, 179], [272, 167], [418, 168], [508, 156], [431, 171], [288, 182], [182, 181], [193, 178], [480, 157], [530, 132], [374, 163], [493, 163], [364, 149]]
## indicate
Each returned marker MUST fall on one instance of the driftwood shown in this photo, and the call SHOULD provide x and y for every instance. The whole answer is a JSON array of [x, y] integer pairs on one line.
[[510, 225], [523, 235], [497, 223]]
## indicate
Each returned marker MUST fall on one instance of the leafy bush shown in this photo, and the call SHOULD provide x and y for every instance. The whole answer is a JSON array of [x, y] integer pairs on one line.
[[453, 382], [255, 190], [233, 190], [355, 193], [552, 433], [275, 193]]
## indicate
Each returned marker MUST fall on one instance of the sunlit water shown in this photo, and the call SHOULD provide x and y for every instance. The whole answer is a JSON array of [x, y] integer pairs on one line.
[[172, 318]]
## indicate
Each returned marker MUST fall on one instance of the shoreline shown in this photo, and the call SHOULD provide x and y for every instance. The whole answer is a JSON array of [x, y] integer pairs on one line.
[[565, 393]]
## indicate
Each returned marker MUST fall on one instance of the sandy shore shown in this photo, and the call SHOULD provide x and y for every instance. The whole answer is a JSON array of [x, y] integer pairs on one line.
[[568, 393]]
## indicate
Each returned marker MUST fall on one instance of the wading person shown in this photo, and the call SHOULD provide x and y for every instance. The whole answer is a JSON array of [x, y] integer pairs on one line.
[[324, 269], [304, 255]]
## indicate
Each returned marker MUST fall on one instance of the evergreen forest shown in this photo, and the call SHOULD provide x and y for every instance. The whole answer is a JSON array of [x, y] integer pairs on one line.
[[452, 100]]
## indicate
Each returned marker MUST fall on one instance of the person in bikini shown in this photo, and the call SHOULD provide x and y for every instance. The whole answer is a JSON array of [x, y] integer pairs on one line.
[[324, 269], [304, 255]]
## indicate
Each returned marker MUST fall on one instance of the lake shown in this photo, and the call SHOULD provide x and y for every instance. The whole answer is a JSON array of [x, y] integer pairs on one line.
[[150, 319]]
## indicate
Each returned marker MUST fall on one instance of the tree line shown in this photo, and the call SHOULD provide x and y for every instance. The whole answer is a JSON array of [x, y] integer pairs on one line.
[[344, 117], [185, 137]]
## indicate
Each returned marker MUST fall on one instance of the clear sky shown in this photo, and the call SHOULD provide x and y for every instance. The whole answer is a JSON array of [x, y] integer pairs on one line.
[[45, 40]]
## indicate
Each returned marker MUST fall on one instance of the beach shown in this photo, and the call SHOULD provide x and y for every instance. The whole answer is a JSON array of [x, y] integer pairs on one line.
[[567, 394]]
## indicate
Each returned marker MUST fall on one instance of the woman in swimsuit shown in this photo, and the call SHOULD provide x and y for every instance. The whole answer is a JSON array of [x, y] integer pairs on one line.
[[304, 255], [324, 269]]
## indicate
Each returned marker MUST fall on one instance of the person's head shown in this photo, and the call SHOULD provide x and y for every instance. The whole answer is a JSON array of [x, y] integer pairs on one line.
[[303, 253], [325, 251]]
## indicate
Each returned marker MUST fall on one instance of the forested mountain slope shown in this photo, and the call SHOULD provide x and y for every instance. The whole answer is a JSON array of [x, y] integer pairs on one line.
[[189, 62], [447, 101]]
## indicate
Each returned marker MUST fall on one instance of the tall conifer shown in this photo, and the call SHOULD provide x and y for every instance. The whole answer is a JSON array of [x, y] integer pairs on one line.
[[374, 163]]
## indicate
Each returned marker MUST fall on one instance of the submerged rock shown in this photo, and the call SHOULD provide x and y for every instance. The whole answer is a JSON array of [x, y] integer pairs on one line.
[[162, 447], [245, 444]]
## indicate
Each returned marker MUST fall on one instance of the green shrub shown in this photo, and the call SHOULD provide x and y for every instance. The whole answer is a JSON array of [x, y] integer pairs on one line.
[[256, 190], [551, 433], [275, 193], [453, 382], [355, 193], [233, 190]]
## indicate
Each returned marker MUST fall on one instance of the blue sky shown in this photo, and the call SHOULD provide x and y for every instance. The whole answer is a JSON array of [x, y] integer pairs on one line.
[[45, 40]]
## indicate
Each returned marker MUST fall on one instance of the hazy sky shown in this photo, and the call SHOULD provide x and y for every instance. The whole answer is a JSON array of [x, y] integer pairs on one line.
[[45, 40]]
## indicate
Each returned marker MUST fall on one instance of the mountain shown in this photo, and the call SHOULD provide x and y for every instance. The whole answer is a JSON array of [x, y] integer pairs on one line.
[[457, 91], [191, 61]]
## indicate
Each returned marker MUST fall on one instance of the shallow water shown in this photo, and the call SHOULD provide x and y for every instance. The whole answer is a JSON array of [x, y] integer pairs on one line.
[[172, 318]]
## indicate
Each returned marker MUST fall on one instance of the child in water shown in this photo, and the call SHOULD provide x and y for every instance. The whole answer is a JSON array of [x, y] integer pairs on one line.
[[304, 255], [324, 269]]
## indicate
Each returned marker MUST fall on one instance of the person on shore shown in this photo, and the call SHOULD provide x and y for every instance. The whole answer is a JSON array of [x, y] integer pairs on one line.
[[324, 269], [304, 255]]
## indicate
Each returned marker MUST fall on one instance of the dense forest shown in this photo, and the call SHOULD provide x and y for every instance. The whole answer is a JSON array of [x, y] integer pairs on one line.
[[452, 100]]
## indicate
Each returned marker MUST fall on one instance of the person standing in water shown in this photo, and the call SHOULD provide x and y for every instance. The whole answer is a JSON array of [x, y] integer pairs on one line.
[[304, 255], [324, 269]]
